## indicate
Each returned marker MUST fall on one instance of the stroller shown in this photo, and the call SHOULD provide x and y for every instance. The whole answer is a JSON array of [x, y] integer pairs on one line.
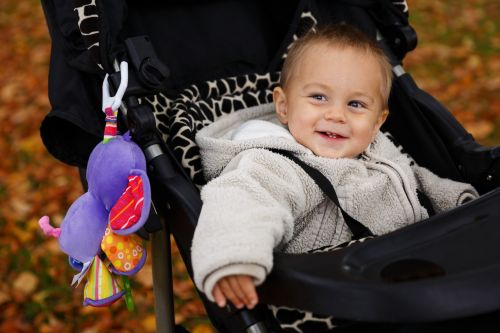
[[192, 62]]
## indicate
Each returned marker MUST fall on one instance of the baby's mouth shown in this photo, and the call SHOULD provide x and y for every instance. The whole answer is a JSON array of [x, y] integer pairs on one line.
[[332, 135]]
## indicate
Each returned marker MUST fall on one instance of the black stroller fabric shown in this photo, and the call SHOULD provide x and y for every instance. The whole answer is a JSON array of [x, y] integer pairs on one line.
[[224, 56], [255, 44]]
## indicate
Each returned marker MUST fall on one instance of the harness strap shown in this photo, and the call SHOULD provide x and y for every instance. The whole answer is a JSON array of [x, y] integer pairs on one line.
[[357, 228]]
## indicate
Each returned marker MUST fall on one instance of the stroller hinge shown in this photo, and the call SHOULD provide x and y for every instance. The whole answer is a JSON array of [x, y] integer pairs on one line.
[[141, 123]]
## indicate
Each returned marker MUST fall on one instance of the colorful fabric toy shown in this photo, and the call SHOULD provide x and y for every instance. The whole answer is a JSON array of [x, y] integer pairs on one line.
[[98, 230], [109, 168]]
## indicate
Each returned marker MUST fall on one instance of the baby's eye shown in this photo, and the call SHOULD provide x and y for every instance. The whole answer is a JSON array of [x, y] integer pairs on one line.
[[318, 97], [356, 104]]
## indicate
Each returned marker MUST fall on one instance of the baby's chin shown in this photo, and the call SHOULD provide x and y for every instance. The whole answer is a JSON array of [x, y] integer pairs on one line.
[[330, 153]]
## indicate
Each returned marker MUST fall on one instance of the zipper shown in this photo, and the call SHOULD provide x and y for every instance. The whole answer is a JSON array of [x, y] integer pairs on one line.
[[388, 166]]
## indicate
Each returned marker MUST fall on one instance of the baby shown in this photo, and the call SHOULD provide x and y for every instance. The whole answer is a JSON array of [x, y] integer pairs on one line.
[[331, 102]]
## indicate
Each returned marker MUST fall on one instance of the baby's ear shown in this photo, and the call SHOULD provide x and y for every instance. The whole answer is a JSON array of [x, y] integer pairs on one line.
[[279, 99], [382, 117], [380, 121]]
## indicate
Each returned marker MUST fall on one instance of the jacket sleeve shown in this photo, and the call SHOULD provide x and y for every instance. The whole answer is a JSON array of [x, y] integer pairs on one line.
[[247, 211], [443, 193]]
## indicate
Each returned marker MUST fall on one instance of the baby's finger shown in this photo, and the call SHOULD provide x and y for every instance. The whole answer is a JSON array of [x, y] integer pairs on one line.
[[248, 288], [219, 296], [229, 293], [233, 282]]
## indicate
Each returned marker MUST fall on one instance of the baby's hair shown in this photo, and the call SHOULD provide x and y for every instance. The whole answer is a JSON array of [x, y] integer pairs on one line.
[[342, 36]]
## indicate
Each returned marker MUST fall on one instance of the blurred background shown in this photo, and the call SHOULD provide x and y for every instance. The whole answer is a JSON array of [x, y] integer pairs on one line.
[[457, 61]]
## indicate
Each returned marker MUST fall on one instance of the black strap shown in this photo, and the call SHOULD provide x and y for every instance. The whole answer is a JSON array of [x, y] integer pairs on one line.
[[357, 228]]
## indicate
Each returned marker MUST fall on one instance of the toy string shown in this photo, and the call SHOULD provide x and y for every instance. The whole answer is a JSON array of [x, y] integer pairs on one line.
[[129, 301]]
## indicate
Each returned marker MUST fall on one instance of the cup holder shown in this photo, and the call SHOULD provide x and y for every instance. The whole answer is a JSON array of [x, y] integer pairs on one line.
[[410, 270]]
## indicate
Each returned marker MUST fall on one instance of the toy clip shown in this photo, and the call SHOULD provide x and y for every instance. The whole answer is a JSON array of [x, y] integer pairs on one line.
[[114, 102], [110, 104]]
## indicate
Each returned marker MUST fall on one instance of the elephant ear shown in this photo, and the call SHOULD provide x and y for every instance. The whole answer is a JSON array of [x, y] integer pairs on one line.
[[83, 227], [131, 210]]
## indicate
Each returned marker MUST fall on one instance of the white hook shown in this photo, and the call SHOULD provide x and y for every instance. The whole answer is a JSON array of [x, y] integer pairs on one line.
[[114, 102]]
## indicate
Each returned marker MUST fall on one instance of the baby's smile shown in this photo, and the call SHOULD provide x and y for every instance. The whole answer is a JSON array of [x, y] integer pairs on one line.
[[331, 135]]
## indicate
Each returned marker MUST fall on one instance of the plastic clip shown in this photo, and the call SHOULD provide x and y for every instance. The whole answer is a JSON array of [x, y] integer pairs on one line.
[[110, 104], [113, 102]]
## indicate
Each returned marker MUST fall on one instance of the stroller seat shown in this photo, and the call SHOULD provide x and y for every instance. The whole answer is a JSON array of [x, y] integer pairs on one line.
[[410, 267]]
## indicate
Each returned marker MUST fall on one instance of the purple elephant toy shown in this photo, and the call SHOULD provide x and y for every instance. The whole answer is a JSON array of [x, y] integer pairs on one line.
[[98, 230], [110, 167]]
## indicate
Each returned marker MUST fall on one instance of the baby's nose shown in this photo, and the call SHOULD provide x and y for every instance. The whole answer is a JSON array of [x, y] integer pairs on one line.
[[335, 113]]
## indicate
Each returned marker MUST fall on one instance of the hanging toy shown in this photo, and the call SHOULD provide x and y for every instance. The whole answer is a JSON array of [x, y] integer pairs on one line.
[[97, 232]]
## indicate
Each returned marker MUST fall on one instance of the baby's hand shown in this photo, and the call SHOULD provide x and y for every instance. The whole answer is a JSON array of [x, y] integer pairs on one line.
[[239, 289]]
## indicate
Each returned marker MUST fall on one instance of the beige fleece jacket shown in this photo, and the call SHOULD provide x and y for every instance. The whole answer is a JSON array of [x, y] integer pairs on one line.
[[257, 202]]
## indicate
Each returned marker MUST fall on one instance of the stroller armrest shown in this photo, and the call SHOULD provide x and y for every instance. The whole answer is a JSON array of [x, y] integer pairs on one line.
[[443, 268]]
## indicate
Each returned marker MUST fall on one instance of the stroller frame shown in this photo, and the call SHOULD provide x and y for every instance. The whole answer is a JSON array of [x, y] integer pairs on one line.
[[176, 188]]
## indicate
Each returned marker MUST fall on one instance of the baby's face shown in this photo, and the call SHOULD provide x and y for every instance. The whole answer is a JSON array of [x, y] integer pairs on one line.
[[332, 103]]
